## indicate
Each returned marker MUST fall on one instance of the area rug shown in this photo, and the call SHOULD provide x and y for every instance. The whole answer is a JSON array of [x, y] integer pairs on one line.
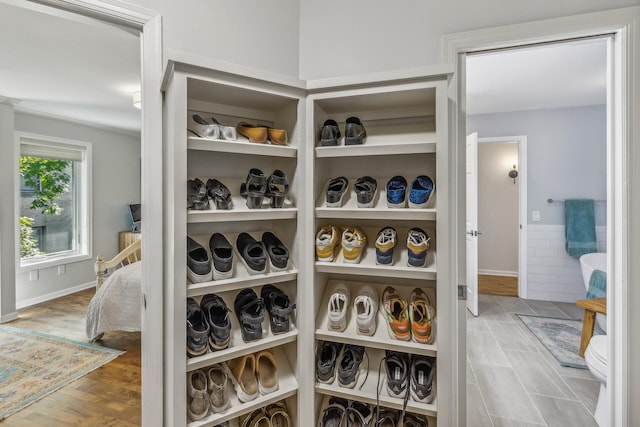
[[560, 336], [33, 364]]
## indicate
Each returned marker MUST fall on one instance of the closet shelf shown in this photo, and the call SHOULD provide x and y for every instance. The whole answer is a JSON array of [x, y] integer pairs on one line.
[[368, 266], [240, 212], [239, 348], [241, 147], [367, 393], [380, 210], [380, 339], [368, 149], [287, 386]]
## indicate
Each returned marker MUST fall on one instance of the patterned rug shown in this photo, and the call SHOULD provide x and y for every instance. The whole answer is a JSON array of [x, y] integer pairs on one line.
[[34, 364], [560, 336]]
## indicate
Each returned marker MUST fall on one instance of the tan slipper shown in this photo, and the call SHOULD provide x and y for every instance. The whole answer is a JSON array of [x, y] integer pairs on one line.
[[244, 377], [267, 371], [256, 134]]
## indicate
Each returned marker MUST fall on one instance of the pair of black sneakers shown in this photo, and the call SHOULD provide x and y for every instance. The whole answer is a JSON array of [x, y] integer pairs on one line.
[[250, 310], [254, 253]]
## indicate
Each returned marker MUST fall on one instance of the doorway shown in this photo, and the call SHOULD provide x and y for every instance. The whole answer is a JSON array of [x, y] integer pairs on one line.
[[498, 345]]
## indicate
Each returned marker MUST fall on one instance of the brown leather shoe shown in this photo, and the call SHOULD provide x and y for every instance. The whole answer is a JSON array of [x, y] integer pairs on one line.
[[276, 136], [256, 134]]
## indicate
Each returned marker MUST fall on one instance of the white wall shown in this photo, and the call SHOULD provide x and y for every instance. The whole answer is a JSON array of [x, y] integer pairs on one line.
[[566, 153], [497, 209], [253, 33], [360, 36], [553, 275], [116, 183]]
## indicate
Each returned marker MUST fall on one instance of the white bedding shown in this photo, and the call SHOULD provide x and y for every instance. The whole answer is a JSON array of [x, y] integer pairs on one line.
[[116, 306]]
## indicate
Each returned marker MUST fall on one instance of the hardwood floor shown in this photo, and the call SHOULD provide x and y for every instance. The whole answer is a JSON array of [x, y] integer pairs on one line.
[[498, 285], [108, 396]]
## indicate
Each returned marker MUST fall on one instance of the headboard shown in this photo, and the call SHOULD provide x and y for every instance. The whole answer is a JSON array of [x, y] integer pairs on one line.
[[129, 255]]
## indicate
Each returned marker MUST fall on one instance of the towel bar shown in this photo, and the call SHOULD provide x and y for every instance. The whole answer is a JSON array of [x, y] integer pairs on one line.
[[563, 200]]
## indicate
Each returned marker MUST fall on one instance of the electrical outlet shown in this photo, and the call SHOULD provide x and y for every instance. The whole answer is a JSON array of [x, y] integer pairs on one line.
[[33, 275], [62, 269], [535, 216]]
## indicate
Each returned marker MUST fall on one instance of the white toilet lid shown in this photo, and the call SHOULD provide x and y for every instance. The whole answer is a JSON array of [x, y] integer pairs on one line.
[[597, 350]]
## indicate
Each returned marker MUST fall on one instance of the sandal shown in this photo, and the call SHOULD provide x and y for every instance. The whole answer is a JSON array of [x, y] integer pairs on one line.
[[277, 188], [219, 193], [226, 132], [279, 307], [203, 129], [243, 376], [250, 312], [256, 134], [267, 371], [254, 189], [257, 418], [197, 195], [278, 415]]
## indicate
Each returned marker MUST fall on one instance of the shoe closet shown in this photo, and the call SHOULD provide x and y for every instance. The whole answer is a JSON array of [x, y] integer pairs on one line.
[[406, 119]]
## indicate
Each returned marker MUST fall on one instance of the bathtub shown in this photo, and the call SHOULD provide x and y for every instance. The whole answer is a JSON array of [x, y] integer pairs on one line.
[[588, 263]]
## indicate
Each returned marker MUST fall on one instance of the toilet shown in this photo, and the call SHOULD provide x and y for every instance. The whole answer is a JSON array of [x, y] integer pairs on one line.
[[596, 358]]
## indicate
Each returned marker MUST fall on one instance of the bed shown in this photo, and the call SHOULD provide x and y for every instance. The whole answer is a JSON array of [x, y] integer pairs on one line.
[[117, 304]]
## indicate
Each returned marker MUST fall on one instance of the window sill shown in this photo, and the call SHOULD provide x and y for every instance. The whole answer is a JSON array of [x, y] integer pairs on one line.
[[51, 261]]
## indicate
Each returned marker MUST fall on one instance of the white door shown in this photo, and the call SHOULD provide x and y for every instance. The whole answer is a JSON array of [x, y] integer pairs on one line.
[[472, 223]]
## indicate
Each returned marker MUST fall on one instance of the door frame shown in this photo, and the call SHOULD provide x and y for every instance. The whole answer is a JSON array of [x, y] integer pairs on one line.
[[148, 24], [621, 25], [521, 140]]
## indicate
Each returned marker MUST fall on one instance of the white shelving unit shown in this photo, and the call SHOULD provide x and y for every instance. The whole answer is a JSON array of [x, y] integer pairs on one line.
[[230, 99], [407, 135], [407, 126]]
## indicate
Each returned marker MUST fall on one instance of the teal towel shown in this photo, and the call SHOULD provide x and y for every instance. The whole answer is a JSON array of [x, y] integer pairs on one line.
[[580, 227], [597, 284]]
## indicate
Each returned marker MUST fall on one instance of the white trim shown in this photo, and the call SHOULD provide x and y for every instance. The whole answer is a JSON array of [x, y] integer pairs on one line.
[[149, 23], [54, 295], [523, 218], [9, 317], [621, 24], [498, 273], [39, 263]]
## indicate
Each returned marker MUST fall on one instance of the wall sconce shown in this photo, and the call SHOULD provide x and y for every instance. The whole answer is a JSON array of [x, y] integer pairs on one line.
[[513, 174], [137, 99]]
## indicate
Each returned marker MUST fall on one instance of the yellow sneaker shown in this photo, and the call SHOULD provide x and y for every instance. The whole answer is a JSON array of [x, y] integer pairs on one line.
[[326, 242], [422, 316], [354, 243]]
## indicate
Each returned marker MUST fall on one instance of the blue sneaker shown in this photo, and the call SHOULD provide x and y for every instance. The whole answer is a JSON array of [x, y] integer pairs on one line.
[[396, 192], [421, 192]]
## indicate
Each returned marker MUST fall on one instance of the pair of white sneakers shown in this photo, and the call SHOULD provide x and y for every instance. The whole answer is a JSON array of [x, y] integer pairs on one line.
[[365, 306]]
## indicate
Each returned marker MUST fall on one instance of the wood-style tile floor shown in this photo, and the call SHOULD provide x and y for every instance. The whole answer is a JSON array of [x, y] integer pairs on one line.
[[108, 396], [513, 380], [498, 285]]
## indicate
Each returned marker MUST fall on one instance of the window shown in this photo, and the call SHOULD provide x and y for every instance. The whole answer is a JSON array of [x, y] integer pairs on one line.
[[55, 202]]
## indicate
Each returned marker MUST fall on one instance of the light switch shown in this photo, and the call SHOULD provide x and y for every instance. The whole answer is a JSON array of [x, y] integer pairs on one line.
[[535, 216]]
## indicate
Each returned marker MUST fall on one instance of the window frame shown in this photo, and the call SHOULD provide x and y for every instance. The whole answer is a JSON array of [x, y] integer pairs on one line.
[[83, 209]]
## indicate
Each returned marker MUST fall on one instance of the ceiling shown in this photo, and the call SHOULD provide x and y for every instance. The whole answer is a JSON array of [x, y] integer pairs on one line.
[[558, 75], [86, 72], [72, 69]]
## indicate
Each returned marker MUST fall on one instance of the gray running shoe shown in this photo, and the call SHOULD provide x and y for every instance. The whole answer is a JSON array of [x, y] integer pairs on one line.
[[326, 363], [349, 366], [217, 378], [198, 262], [423, 369], [222, 254], [252, 253], [397, 367]]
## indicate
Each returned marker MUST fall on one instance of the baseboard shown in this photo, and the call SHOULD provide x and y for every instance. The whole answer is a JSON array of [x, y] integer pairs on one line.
[[9, 317], [53, 295], [498, 273]]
